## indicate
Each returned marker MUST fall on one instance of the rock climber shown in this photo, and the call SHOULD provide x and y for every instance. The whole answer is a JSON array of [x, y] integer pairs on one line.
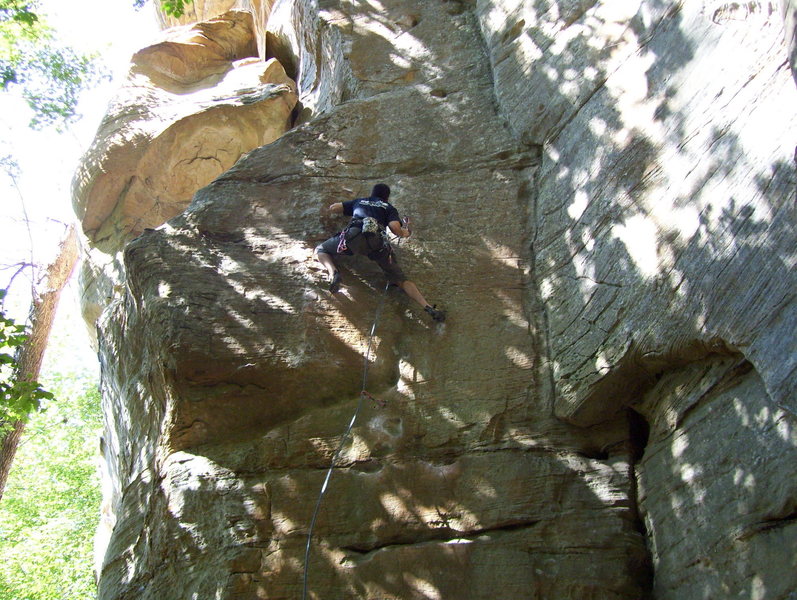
[[366, 234]]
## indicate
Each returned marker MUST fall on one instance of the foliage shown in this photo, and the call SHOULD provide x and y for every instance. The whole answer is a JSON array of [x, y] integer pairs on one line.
[[9, 166], [50, 77], [174, 8], [49, 512], [18, 398]]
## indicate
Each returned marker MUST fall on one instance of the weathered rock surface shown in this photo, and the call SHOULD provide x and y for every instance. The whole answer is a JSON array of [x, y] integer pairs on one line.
[[195, 11], [712, 486], [204, 10], [603, 198], [193, 104], [790, 20]]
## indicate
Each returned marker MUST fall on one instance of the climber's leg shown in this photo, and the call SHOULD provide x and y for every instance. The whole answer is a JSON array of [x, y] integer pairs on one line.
[[389, 264], [323, 254], [413, 292], [326, 260]]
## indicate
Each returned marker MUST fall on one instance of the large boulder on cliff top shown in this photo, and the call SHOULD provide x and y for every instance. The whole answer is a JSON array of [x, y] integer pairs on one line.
[[603, 199]]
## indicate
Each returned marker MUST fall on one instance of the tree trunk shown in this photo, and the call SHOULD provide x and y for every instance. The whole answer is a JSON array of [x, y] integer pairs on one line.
[[31, 353]]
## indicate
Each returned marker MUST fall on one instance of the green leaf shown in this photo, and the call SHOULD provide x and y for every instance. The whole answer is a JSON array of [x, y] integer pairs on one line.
[[48, 515], [175, 8], [50, 77], [19, 398]]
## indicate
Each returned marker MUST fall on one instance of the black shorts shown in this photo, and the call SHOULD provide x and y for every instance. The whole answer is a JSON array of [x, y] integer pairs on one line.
[[369, 245]]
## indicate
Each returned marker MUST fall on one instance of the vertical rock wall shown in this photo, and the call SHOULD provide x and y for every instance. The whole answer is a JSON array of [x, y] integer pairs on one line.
[[663, 261], [603, 199]]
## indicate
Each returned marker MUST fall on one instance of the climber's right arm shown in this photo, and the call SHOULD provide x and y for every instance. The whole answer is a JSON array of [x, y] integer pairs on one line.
[[333, 209]]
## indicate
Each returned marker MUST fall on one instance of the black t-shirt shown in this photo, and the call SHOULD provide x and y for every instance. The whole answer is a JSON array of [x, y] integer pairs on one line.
[[374, 207]]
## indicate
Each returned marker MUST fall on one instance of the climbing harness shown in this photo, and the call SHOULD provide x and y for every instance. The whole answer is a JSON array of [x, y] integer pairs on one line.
[[364, 395], [366, 225]]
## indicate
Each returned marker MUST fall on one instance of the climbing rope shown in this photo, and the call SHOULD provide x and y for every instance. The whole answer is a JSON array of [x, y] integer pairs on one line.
[[362, 396]]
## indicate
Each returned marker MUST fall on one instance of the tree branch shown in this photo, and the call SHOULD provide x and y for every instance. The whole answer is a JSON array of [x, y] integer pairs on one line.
[[31, 355]]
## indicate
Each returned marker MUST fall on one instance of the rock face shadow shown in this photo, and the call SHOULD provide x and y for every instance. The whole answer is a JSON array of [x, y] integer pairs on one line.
[[615, 270]]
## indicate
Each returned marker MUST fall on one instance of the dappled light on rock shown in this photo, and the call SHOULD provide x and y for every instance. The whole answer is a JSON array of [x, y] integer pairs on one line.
[[602, 199], [191, 55]]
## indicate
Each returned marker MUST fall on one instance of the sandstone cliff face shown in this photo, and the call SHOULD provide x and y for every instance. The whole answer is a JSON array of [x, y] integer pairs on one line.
[[604, 201]]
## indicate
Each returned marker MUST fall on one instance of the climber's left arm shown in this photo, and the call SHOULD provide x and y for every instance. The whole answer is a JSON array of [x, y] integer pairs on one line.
[[398, 230]]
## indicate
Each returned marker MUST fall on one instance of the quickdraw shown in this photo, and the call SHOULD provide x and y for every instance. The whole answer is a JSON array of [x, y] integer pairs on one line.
[[367, 396], [342, 243]]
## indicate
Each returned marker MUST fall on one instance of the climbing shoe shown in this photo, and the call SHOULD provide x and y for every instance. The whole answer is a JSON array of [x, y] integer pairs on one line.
[[437, 315], [334, 283]]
